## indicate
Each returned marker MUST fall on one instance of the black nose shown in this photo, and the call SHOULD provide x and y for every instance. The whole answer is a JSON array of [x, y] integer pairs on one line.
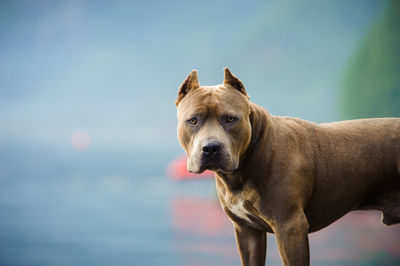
[[211, 148]]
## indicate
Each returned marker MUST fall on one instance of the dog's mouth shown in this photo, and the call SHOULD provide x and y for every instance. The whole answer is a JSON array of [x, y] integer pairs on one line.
[[214, 164], [211, 166], [218, 162]]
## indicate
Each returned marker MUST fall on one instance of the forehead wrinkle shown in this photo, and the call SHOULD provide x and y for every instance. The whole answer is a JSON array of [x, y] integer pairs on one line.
[[224, 100], [211, 104], [214, 100], [207, 99]]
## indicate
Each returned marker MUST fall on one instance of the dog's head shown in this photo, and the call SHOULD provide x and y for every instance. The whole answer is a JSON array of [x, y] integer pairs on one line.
[[213, 123]]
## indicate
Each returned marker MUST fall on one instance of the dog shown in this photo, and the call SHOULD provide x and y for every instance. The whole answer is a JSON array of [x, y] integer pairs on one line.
[[285, 175]]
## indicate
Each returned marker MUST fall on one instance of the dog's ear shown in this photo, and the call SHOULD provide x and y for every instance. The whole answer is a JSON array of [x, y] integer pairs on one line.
[[230, 79], [190, 83]]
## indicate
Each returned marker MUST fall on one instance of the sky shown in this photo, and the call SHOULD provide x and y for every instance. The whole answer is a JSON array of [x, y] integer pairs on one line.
[[112, 69]]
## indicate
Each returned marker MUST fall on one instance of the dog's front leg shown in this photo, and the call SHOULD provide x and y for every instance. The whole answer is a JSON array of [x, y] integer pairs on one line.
[[252, 245], [292, 238]]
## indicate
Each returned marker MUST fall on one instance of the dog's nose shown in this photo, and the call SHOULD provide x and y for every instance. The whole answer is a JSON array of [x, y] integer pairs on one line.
[[211, 148]]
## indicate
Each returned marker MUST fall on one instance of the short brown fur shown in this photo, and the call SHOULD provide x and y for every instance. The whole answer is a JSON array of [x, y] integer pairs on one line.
[[285, 175]]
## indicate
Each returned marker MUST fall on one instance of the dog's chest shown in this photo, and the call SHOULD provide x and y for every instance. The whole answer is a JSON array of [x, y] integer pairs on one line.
[[235, 204]]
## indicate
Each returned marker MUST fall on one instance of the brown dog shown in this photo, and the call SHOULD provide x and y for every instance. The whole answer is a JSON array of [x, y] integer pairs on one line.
[[285, 175]]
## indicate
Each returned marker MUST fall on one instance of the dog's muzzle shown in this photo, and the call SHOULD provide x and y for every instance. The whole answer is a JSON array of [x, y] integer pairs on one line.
[[211, 156]]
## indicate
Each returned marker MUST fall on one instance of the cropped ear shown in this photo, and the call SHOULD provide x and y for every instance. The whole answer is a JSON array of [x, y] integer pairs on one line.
[[233, 81], [190, 83]]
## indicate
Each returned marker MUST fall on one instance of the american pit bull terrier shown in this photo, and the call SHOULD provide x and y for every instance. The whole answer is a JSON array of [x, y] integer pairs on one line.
[[285, 175]]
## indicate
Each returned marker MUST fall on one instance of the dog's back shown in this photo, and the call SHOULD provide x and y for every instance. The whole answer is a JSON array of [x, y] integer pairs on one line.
[[361, 160]]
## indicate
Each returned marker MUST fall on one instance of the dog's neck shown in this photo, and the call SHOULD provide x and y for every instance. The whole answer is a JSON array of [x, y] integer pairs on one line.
[[260, 124], [260, 121]]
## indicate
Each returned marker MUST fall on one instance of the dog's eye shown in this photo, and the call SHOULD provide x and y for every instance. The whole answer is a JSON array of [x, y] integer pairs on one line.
[[193, 121], [230, 119]]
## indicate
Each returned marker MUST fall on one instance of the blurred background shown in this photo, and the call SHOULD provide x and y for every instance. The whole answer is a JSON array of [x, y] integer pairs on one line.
[[88, 121]]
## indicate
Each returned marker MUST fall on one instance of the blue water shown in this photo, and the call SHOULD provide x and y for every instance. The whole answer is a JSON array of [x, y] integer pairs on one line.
[[96, 209], [105, 207]]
